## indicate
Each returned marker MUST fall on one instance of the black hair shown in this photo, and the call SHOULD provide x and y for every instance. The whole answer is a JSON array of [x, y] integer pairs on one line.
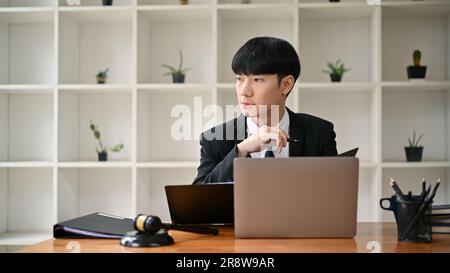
[[267, 55]]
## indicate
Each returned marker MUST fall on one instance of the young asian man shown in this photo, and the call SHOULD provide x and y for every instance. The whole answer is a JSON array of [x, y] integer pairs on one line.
[[266, 70]]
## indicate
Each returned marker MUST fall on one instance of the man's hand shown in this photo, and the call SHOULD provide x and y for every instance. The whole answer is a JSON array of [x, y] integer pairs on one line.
[[265, 135]]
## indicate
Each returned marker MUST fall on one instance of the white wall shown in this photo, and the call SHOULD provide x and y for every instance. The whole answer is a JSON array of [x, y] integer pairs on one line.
[[4, 127], [31, 127], [31, 54], [3, 200], [30, 198], [105, 190], [4, 54]]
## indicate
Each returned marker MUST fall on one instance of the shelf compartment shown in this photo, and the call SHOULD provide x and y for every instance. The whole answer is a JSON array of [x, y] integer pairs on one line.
[[352, 111], [26, 204], [410, 26], [162, 33], [253, 21], [425, 112], [110, 111], [23, 34], [351, 30], [172, 3], [83, 191], [27, 3], [89, 41], [335, 10], [254, 2], [28, 123], [414, 9], [160, 113], [151, 195], [63, 3]]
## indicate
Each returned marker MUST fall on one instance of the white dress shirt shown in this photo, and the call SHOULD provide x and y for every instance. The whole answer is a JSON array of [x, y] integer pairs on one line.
[[252, 128]]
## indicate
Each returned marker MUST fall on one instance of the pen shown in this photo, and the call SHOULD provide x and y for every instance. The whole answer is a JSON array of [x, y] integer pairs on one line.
[[397, 189], [438, 182], [424, 184]]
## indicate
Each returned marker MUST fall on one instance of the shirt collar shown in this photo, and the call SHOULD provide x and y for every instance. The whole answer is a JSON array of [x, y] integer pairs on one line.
[[252, 127]]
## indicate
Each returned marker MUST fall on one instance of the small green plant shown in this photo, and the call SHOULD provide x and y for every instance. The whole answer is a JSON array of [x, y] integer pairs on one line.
[[336, 68], [102, 75], [176, 71], [101, 148], [414, 143], [417, 55]]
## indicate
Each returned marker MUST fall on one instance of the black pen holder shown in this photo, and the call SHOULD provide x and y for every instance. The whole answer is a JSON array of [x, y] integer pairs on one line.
[[413, 219]]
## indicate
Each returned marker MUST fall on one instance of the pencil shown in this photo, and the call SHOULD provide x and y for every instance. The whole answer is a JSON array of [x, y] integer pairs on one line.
[[397, 189]]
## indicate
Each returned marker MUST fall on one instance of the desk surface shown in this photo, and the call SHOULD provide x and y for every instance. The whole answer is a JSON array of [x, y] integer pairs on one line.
[[370, 237]]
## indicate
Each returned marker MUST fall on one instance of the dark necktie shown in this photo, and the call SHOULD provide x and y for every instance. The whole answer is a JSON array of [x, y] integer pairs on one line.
[[269, 154]]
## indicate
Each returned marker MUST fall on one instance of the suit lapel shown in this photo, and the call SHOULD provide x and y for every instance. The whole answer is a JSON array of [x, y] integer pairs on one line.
[[296, 132], [240, 123]]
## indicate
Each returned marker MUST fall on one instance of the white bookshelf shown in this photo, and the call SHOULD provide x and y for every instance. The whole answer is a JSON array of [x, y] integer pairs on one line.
[[48, 166]]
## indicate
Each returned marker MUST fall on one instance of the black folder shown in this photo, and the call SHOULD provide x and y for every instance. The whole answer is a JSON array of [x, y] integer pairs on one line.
[[96, 225]]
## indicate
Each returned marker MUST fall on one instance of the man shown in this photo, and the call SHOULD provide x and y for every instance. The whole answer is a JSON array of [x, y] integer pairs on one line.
[[266, 69]]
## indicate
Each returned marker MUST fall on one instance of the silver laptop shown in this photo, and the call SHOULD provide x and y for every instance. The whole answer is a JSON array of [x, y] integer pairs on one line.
[[298, 197]]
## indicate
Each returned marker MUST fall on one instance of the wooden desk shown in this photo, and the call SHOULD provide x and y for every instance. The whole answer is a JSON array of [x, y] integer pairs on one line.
[[366, 240]]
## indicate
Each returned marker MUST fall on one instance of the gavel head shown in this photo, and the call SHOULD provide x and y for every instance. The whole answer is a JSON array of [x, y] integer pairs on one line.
[[147, 223]]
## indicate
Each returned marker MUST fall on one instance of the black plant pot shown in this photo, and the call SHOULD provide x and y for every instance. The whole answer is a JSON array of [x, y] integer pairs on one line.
[[107, 2], [103, 156], [335, 0], [416, 72], [335, 77], [101, 80], [178, 78], [414, 154]]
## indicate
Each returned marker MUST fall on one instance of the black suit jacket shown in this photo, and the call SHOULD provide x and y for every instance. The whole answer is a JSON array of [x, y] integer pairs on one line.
[[316, 135]]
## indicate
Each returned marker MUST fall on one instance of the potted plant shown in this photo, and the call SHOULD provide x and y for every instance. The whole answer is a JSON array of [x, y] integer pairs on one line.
[[416, 71], [178, 75], [336, 71], [107, 2], [102, 76], [102, 151], [335, 0], [414, 151]]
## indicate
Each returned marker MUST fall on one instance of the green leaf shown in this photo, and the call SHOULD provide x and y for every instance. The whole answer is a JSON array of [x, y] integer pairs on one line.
[[181, 59], [117, 148], [97, 134], [418, 140], [171, 68]]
